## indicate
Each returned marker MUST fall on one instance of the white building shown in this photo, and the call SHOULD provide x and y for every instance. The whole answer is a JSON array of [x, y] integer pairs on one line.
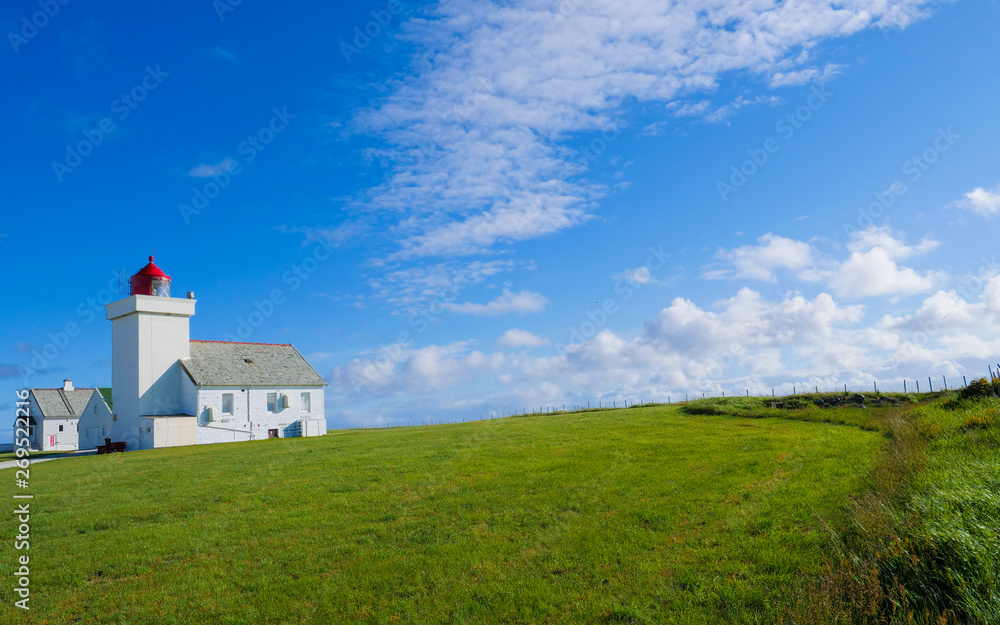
[[244, 391], [170, 390], [67, 418]]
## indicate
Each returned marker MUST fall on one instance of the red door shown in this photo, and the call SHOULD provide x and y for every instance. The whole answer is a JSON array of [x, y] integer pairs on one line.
[[52, 441]]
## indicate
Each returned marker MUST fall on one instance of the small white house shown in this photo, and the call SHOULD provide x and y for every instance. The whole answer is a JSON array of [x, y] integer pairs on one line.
[[67, 418]]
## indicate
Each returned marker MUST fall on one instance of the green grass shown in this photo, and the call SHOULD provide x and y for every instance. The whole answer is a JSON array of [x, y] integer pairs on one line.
[[10, 455], [953, 528], [923, 544], [645, 515]]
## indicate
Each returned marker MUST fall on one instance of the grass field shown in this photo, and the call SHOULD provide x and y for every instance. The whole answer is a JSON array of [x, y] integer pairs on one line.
[[9, 455], [644, 515]]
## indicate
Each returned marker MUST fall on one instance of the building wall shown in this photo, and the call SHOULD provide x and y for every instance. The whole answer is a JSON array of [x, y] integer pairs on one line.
[[54, 440], [189, 395], [46, 435], [125, 377], [250, 417], [35, 437], [176, 431], [95, 423]]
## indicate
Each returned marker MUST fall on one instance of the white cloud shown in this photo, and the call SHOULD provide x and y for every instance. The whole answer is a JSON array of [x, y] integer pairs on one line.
[[475, 138], [638, 275], [520, 338], [871, 269], [883, 237], [412, 371], [728, 110], [761, 261], [507, 302], [748, 319], [982, 201], [803, 76], [207, 171], [435, 284]]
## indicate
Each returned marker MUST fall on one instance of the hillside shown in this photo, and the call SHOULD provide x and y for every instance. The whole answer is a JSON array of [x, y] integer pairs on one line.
[[648, 514]]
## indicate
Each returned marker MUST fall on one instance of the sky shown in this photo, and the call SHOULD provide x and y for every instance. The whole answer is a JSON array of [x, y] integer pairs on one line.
[[463, 208]]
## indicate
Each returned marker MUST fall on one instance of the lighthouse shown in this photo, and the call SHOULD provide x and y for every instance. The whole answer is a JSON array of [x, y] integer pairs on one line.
[[149, 336]]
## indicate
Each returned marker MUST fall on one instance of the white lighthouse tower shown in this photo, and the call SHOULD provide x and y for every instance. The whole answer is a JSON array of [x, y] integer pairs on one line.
[[149, 335]]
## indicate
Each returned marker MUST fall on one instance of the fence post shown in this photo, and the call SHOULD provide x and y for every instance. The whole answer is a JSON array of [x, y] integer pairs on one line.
[[945, 382], [930, 384], [904, 385]]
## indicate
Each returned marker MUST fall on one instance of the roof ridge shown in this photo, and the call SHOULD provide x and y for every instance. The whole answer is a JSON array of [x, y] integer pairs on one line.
[[62, 396]]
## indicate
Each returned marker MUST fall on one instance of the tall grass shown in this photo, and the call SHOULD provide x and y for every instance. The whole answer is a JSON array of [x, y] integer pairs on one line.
[[924, 542]]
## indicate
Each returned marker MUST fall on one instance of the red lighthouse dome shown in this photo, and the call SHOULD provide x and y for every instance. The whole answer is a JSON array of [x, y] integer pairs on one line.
[[150, 281]]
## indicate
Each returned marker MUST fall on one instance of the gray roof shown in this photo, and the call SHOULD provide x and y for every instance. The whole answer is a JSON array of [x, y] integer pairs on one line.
[[219, 363], [55, 403]]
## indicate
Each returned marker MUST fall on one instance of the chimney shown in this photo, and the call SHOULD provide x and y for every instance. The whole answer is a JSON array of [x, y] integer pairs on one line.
[[67, 385]]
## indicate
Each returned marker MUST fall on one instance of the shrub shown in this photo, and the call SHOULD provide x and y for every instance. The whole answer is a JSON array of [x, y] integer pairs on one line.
[[976, 422], [980, 388], [798, 401]]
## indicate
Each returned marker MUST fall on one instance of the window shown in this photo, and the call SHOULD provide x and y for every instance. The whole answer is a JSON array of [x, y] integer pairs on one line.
[[95, 408], [306, 402], [272, 402], [227, 403], [60, 428]]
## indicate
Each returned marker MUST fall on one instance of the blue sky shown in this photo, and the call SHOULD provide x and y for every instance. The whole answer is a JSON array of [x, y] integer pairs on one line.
[[481, 206]]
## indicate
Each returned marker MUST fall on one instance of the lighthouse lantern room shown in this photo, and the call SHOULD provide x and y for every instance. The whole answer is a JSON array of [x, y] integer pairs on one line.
[[150, 280]]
